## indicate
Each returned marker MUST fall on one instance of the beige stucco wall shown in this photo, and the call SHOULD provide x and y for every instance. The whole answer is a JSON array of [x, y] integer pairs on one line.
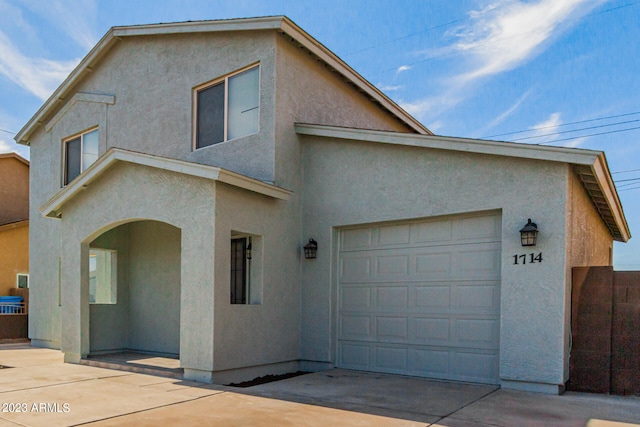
[[265, 333], [14, 189], [589, 243], [143, 193], [14, 254], [350, 183]]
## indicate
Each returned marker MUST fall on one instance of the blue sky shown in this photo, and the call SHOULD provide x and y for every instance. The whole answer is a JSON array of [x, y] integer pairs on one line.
[[555, 72]]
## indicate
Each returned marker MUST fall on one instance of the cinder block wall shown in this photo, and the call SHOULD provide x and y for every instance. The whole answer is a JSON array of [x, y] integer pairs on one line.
[[605, 320]]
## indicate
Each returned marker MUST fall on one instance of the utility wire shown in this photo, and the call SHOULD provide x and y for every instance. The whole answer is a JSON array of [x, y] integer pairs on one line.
[[631, 170], [7, 131], [564, 124], [591, 134], [576, 130]]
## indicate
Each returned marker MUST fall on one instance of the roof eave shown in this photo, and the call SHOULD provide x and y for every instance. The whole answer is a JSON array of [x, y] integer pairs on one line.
[[53, 207]]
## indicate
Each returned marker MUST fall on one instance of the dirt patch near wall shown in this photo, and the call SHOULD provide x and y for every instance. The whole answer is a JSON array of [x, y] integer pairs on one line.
[[267, 379]]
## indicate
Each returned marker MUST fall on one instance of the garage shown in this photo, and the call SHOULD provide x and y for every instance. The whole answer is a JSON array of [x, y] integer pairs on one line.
[[422, 297]]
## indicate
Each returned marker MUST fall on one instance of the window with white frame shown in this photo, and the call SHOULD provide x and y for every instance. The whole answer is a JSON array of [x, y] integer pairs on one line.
[[80, 152], [103, 275], [228, 108], [22, 280]]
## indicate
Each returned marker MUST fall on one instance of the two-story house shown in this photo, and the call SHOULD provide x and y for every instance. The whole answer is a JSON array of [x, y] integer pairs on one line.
[[180, 170]]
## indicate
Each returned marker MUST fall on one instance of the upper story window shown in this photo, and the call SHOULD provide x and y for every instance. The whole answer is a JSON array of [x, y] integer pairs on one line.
[[80, 152], [228, 108]]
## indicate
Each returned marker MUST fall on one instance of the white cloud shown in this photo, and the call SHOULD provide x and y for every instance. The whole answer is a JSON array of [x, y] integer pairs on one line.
[[503, 35], [5, 147], [513, 33], [504, 115], [76, 18], [402, 68], [388, 88], [36, 75], [540, 131]]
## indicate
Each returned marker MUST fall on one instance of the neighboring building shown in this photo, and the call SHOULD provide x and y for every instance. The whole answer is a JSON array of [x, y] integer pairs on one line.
[[14, 222], [174, 150]]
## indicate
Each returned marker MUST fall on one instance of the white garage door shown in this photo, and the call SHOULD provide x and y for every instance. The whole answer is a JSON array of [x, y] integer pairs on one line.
[[422, 298]]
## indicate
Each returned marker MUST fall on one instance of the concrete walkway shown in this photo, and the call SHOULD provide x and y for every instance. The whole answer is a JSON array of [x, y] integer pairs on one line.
[[40, 390]]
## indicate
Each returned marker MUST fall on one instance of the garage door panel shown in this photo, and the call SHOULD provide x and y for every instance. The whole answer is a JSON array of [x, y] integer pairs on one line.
[[394, 235], [433, 232], [392, 265], [392, 329], [427, 362], [392, 297], [423, 298], [432, 330], [476, 297], [476, 333], [434, 266], [354, 355], [432, 298], [479, 228], [356, 327], [359, 238], [353, 269], [477, 262], [356, 298], [390, 359]]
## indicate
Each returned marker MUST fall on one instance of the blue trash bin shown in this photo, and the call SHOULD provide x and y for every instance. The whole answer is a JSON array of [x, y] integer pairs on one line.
[[10, 304]]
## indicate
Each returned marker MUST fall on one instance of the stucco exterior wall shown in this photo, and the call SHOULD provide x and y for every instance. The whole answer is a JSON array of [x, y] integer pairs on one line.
[[154, 287], [14, 254], [44, 243], [308, 92], [153, 78], [349, 183], [14, 189], [589, 243], [109, 323], [265, 333], [126, 193]]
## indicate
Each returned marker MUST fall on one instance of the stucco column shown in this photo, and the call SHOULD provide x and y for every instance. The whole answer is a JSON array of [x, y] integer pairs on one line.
[[75, 300], [196, 300]]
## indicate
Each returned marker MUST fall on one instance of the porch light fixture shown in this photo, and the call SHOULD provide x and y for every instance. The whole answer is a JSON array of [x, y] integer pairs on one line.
[[311, 249], [529, 234]]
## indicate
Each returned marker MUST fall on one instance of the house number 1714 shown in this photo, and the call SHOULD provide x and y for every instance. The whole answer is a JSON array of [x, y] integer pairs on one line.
[[523, 259]]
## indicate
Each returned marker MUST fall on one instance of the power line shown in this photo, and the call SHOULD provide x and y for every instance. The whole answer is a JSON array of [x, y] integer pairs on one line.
[[7, 131], [631, 170], [576, 130], [592, 134], [564, 124], [626, 180]]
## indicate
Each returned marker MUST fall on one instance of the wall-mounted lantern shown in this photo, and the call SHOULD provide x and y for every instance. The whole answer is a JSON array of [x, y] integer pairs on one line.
[[529, 234], [311, 249]]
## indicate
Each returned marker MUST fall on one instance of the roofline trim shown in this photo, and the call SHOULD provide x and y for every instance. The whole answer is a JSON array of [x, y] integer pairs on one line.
[[52, 208], [14, 155], [479, 146]]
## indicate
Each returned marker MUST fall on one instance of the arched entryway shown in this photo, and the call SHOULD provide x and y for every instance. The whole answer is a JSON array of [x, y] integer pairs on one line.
[[134, 289]]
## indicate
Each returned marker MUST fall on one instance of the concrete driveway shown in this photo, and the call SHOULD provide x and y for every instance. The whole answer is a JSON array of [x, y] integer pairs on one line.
[[40, 390]]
